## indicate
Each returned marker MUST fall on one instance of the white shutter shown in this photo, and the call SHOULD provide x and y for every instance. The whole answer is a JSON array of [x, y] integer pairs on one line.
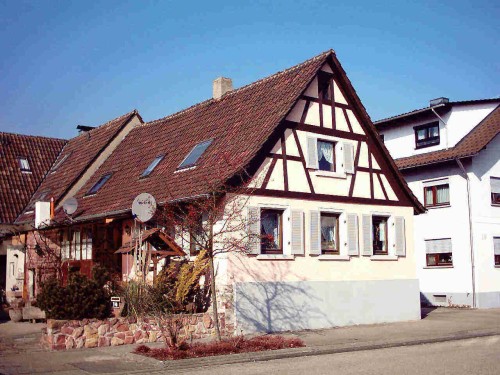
[[315, 233], [399, 223], [254, 230], [496, 245], [297, 238], [348, 157], [367, 235], [312, 152], [438, 246], [352, 234]]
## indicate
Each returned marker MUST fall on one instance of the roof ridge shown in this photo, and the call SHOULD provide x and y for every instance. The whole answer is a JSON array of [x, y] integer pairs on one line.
[[32, 136], [232, 92], [128, 114], [418, 110]]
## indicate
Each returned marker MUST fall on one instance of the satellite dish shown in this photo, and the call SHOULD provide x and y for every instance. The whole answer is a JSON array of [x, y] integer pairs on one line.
[[70, 205], [144, 207]]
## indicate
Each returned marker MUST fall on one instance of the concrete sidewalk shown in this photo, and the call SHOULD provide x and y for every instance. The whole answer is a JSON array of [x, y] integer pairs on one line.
[[437, 326]]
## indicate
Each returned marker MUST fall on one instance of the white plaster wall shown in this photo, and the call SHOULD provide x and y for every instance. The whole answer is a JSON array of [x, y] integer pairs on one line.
[[485, 216], [460, 121], [446, 222], [243, 268]]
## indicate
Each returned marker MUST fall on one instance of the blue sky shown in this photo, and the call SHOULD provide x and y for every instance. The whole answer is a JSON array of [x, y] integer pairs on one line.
[[65, 63]]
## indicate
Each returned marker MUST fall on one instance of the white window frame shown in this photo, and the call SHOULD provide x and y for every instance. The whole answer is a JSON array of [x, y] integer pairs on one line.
[[287, 231], [340, 171], [391, 237], [342, 256]]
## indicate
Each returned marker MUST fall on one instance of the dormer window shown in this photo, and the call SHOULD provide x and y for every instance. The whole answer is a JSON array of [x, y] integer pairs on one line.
[[194, 155], [152, 166], [24, 165], [59, 163], [427, 135], [99, 184]]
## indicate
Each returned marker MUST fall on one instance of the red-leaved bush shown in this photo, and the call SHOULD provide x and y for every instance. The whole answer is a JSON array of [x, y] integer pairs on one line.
[[232, 345]]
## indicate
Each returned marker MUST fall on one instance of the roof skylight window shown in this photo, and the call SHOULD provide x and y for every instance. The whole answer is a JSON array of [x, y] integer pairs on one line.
[[194, 154], [59, 163], [99, 184], [24, 164], [152, 166]]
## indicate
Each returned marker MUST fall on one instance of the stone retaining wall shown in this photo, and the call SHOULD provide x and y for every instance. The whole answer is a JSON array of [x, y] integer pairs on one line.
[[91, 333]]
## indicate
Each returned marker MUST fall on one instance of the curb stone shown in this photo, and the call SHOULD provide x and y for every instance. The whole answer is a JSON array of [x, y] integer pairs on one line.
[[196, 363]]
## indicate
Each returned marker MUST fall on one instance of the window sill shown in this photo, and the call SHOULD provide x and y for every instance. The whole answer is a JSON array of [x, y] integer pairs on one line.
[[330, 174], [384, 257], [434, 267], [275, 257], [434, 207], [332, 257]]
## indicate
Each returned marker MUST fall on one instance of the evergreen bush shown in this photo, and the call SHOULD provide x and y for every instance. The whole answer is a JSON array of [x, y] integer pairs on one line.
[[80, 298]]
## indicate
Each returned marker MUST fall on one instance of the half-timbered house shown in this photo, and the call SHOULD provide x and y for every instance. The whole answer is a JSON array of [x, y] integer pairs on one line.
[[333, 216]]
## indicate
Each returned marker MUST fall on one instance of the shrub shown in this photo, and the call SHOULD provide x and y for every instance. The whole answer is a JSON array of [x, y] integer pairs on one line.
[[232, 345], [80, 298]]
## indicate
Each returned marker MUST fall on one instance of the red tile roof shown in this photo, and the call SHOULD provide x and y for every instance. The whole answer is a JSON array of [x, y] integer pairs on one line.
[[470, 145], [79, 152], [240, 123], [16, 187]]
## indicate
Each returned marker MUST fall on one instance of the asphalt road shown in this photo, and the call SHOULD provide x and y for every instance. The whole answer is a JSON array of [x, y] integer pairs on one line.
[[474, 356]]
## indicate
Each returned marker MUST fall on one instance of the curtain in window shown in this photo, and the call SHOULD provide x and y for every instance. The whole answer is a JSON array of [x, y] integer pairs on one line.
[[381, 231], [328, 234], [443, 194], [428, 195], [325, 150], [434, 131], [421, 134], [269, 225]]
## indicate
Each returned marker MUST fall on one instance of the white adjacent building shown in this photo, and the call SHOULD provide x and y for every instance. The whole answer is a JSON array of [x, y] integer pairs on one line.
[[449, 154]]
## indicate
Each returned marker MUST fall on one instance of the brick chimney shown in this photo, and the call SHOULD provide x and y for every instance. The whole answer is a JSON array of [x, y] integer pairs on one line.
[[221, 86]]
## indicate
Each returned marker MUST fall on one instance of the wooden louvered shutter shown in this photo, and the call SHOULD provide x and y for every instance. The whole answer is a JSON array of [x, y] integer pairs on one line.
[[399, 226], [367, 235], [315, 233], [348, 157], [352, 234], [312, 152], [297, 238], [254, 230]]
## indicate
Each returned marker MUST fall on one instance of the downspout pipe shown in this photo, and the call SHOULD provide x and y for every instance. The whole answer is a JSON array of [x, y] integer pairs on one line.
[[471, 233]]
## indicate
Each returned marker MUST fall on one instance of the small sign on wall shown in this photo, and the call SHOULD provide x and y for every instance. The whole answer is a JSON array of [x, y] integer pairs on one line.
[[115, 302]]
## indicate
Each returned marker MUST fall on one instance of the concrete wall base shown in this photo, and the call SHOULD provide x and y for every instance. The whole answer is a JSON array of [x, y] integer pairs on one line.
[[284, 306]]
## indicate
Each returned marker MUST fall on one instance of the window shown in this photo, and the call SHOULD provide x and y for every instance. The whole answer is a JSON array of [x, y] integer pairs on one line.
[[379, 235], [495, 190], [99, 184], [438, 252], [437, 195], [24, 164], [325, 86], [427, 135], [59, 163], [326, 156], [329, 233], [496, 250], [194, 154], [152, 166], [76, 245], [271, 231]]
